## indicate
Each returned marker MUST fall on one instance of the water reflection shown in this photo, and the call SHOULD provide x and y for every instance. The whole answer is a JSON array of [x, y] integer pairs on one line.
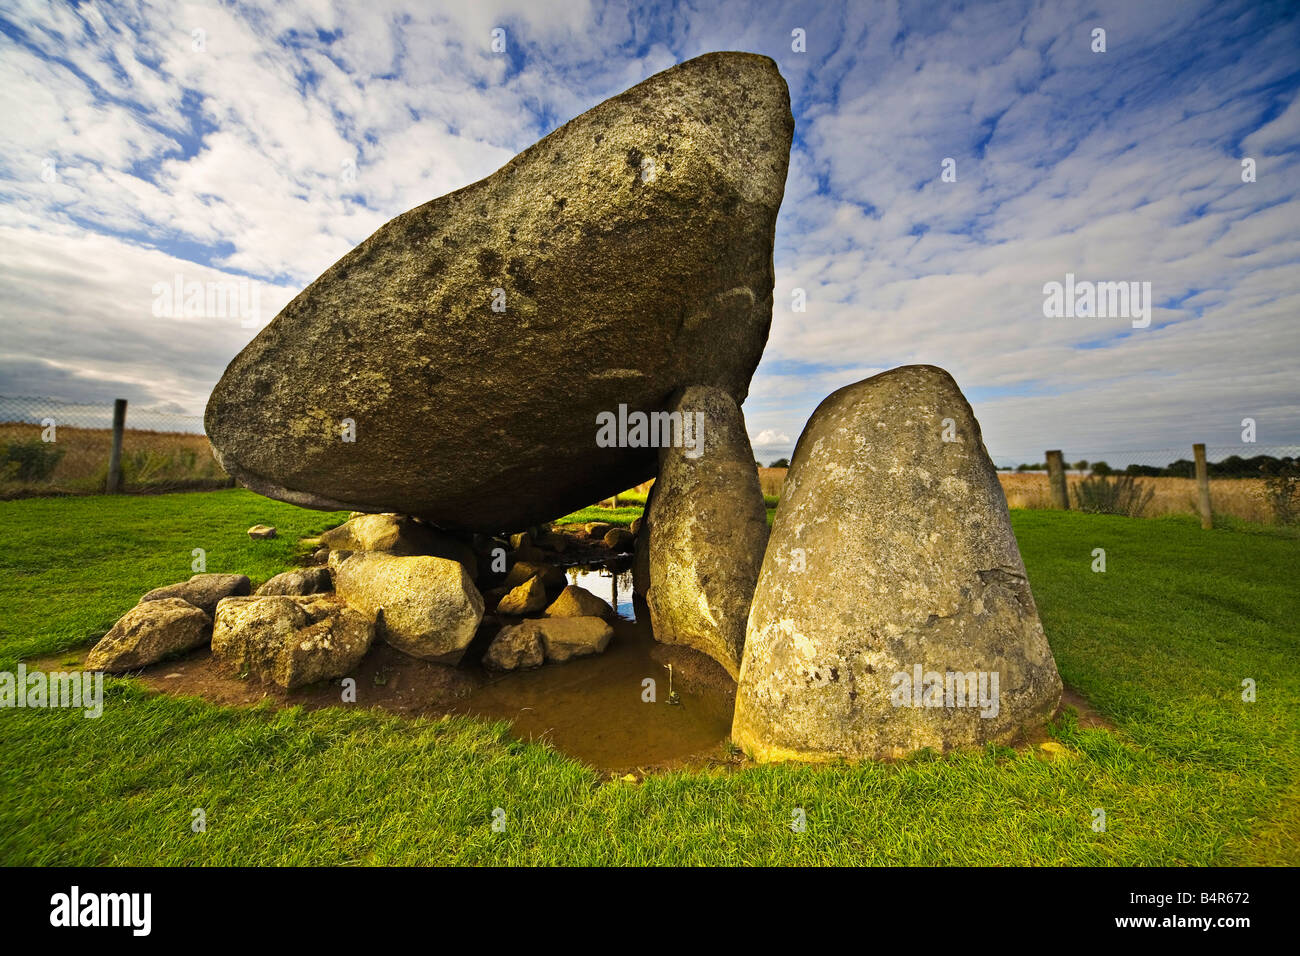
[[612, 582]]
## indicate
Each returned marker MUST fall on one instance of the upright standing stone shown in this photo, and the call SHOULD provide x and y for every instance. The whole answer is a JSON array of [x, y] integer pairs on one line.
[[893, 611], [706, 530], [430, 371]]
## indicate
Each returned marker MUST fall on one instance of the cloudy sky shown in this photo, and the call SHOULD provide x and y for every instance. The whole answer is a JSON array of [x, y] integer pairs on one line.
[[260, 142]]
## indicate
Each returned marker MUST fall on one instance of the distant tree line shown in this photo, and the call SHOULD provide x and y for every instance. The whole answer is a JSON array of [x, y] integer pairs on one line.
[[1234, 466]]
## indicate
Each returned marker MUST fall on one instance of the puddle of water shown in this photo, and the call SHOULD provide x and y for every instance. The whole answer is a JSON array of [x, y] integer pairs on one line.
[[593, 708]]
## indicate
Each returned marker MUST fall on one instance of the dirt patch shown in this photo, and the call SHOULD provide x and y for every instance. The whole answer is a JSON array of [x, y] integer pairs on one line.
[[611, 711], [1089, 719]]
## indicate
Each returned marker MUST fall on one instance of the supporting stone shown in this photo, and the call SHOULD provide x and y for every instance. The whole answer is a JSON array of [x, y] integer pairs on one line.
[[893, 611]]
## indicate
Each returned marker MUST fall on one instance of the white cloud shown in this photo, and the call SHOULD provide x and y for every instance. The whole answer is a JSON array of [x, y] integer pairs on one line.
[[770, 438]]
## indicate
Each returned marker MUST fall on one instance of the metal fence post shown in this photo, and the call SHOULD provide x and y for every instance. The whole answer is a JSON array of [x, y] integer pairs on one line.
[[1056, 480], [114, 483], [1203, 486]]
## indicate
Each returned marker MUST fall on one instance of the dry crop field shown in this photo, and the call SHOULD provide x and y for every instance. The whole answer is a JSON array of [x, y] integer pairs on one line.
[[150, 460], [1242, 498]]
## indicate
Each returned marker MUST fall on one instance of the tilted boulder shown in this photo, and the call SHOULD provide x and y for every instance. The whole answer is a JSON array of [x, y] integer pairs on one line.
[[892, 612], [203, 590], [645, 224], [290, 640], [706, 529], [149, 632], [424, 606]]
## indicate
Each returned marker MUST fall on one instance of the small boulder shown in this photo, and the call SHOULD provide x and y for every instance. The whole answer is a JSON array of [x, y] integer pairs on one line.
[[290, 640], [527, 598], [562, 638], [597, 529], [261, 531], [530, 553], [523, 539], [203, 590], [305, 581], [579, 602], [424, 606], [565, 638], [553, 577], [149, 632], [620, 539], [515, 648], [399, 535], [554, 540]]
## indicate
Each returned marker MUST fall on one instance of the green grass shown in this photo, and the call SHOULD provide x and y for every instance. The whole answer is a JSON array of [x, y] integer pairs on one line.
[[74, 565], [619, 516], [1159, 643]]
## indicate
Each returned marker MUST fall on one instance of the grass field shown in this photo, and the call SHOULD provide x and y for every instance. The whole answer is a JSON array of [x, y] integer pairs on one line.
[[1159, 643]]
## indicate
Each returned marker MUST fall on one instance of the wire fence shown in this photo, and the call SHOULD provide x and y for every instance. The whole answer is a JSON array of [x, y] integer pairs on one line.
[[37, 410], [51, 447], [1246, 481]]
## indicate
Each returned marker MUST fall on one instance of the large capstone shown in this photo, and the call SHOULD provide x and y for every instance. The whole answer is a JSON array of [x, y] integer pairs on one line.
[[706, 526], [892, 612], [430, 371]]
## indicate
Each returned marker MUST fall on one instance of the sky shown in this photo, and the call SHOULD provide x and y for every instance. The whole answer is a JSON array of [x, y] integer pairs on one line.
[[257, 143]]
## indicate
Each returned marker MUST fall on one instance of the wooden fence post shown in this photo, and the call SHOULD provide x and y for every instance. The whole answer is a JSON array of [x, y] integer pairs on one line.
[[114, 483], [1203, 486], [1056, 479]]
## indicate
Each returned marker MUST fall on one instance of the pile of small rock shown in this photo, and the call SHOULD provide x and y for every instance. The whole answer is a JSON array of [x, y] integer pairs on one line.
[[387, 577]]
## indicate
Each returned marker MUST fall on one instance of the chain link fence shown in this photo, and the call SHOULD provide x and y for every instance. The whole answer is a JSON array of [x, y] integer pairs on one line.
[[50, 447]]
